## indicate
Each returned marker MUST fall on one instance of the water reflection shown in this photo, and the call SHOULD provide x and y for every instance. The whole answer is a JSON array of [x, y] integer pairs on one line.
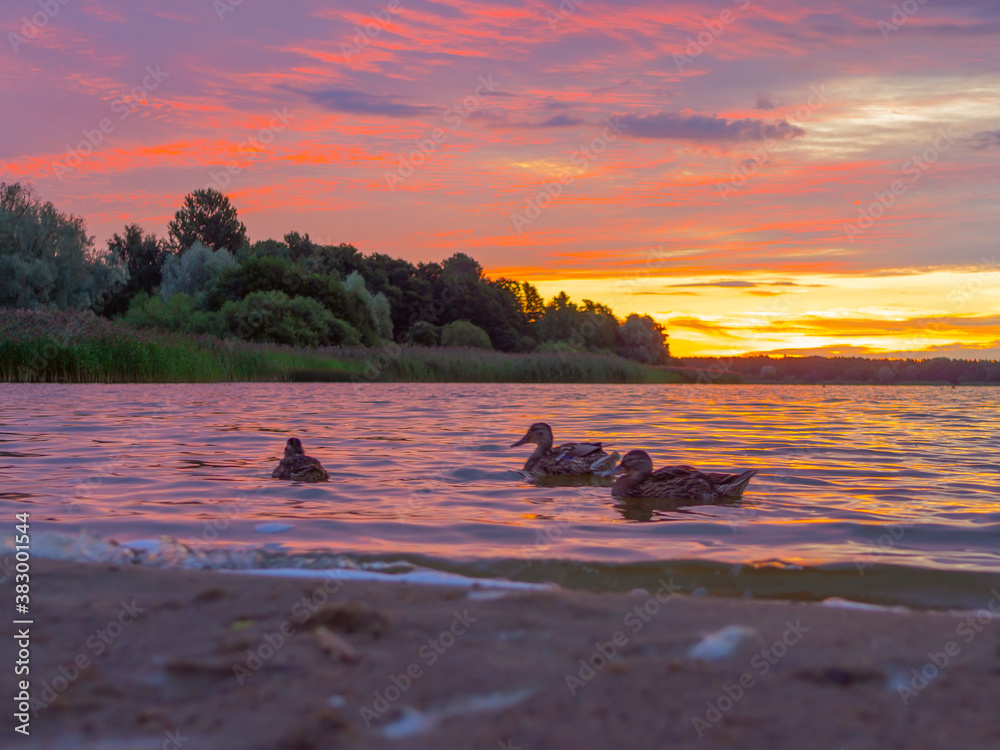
[[426, 469], [664, 509]]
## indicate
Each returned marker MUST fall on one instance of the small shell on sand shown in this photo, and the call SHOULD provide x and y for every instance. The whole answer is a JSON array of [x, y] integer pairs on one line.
[[721, 644]]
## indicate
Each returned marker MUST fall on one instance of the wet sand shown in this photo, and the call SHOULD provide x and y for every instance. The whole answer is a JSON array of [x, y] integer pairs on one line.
[[133, 657]]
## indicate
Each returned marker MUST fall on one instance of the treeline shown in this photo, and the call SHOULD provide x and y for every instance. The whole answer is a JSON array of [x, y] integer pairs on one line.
[[841, 370], [207, 277]]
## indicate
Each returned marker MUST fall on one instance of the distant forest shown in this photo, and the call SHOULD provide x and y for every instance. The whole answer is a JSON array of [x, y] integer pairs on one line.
[[207, 277], [807, 370]]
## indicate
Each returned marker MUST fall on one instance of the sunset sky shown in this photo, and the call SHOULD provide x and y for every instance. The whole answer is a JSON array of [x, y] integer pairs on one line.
[[759, 176]]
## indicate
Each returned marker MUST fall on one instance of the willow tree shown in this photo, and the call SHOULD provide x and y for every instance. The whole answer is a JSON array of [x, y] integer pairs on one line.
[[46, 258]]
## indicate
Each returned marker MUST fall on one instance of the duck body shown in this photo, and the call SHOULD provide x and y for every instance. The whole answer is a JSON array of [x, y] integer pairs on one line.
[[569, 459], [299, 467], [679, 482]]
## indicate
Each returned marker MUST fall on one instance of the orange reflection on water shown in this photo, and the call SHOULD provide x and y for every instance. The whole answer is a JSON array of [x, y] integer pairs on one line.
[[428, 469]]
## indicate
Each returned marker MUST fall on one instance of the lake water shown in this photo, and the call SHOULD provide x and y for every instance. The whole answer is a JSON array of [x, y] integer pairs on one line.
[[878, 494]]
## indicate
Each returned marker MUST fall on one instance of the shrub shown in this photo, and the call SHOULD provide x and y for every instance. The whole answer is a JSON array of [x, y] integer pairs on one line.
[[642, 339], [176, 314], [276, 317], [194, 271], [423, 333], [464, 333], [254, 274], [343, 333]]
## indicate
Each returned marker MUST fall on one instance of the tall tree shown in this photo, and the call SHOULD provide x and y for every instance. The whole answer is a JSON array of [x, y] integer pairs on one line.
[[534, 305], [561, 318], [299, 246], [141, 256], [208, 217]]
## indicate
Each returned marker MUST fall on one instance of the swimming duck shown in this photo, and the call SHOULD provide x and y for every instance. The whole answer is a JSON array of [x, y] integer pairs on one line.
[[681, 482], [299, 467], [569, 459]]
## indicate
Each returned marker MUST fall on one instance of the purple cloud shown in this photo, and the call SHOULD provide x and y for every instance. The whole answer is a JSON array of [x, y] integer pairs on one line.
[[676, 125], [985, 139], [358, 102]]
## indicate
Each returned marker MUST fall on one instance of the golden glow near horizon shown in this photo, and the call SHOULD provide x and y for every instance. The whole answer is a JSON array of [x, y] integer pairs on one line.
[[910, 314]]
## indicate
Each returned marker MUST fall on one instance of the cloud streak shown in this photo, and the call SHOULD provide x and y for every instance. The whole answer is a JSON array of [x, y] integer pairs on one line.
[[361, 103], [694, 127]]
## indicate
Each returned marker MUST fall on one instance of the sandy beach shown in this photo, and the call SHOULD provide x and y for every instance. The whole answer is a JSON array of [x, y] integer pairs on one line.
[[134, 657]]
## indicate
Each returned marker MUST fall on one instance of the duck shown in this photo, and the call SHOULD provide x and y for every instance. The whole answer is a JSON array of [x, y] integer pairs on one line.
[[299, 467], [679, 482], [570, 459]]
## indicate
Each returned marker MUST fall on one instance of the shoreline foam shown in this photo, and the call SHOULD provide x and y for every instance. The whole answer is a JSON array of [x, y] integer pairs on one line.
[[881, 585]]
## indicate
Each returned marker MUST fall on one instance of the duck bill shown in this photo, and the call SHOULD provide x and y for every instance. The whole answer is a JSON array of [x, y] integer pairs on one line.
[[522, 441]]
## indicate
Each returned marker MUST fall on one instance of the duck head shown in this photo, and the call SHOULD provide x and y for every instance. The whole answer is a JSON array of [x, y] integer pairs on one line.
[[294, 447], [539, 433], [637, 465]]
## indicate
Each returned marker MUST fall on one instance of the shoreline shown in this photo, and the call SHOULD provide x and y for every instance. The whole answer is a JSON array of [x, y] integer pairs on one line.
[[63, 348], [360, 381], [146, 657]]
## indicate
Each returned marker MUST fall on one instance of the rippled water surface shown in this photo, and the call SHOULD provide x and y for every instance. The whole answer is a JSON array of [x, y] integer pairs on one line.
[[881, 493]]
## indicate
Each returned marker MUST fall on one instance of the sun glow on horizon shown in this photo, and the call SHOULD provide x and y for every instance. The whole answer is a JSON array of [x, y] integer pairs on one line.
[[928, 313]]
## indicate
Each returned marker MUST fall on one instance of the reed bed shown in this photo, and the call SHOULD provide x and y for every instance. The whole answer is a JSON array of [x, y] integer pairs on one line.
[[453, 364], [56, 347]]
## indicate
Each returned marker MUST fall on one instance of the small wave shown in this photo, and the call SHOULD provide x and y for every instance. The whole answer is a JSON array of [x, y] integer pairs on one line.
[[878, 584]]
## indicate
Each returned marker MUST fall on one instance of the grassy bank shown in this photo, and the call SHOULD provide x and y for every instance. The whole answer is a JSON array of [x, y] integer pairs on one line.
[[130, 361], [422, 364], [48, 347]]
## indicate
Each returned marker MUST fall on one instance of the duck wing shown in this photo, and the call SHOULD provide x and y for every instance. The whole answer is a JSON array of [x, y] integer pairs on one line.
[[682, 482], [283, 470], [674, 472], [312, 471], [686, 481], [562, 461], [577, 450]]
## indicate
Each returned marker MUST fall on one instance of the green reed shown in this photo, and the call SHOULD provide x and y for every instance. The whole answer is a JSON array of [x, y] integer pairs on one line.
[[57, 347], [131, 361], [422, 364]]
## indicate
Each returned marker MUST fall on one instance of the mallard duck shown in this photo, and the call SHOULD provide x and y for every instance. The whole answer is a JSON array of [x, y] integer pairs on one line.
[[299, 467], [569, 459], [680, 482]]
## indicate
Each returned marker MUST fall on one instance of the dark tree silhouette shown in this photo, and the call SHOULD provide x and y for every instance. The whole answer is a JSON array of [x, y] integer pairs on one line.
[[208, 216], [534, 305], [141, 256], [641, 338]]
